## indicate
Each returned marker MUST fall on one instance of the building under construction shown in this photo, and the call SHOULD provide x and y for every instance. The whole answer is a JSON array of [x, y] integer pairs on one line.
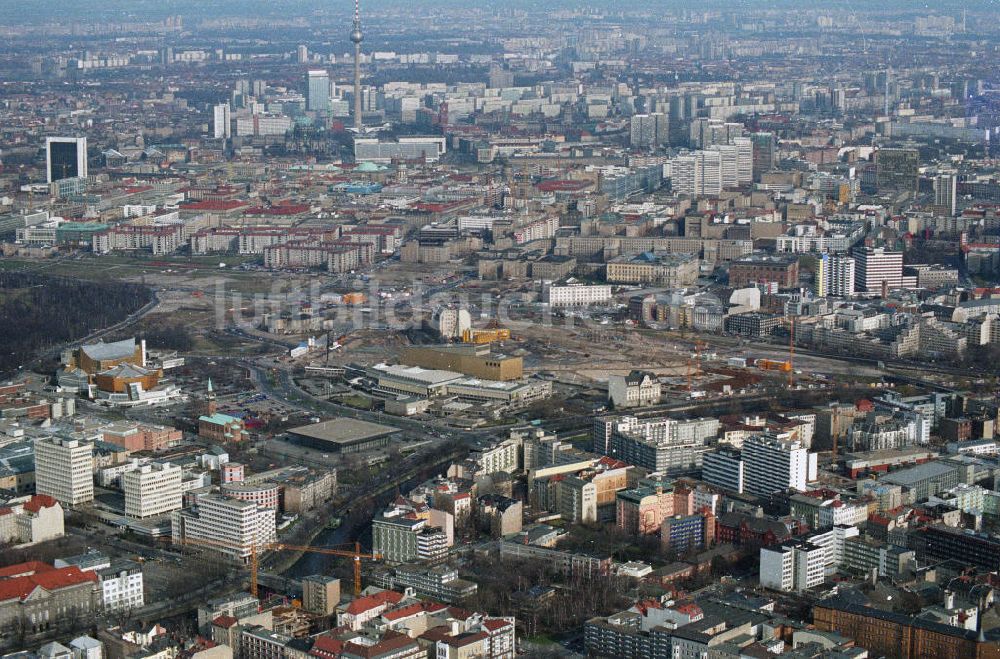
[[474, 360]]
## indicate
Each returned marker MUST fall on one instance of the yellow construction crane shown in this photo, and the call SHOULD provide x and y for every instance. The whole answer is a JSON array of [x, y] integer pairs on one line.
[[255, 551]]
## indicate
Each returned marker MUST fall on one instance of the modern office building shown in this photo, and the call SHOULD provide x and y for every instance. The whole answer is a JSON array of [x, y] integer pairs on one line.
[[371, 149], [65, 157], [222, 124], [897, 170], [724, 468], [876, 267], [122, 587], [946, 192], [795, 565], [404, 537], [773, 464], [229, 526], [64, 469], [317, 90], [152, 489]]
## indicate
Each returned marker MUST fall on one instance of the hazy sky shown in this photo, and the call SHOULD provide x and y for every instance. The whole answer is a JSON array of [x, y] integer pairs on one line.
[[19, 11]]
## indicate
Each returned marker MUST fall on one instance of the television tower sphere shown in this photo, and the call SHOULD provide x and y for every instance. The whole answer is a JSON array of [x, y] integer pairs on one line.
[[356, 35]]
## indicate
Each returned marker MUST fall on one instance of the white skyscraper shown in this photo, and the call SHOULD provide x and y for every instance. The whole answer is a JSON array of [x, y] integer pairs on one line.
[[772, 464], [221, 122], [875, 266], [698, 174], [64, 469], [744, 148], [835, 276]]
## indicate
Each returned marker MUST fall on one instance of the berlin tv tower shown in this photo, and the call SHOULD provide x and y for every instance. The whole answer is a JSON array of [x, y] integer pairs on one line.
[[357, 38]]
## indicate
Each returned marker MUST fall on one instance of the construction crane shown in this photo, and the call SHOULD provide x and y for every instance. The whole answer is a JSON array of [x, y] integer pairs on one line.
[[696, 369], [255, 550]]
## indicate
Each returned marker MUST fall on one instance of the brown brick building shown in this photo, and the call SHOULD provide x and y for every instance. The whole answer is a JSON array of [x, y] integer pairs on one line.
[[752, 271], [896, 635]]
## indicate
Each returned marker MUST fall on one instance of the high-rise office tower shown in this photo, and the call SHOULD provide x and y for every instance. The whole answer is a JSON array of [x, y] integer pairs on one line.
[[774, 464], [318, 91], [221, 122], [764, 156], [946, 192], [64, 469], [897, 170], [65, 157], [356, 38], [876, 267], [302, 54], [698, 174]]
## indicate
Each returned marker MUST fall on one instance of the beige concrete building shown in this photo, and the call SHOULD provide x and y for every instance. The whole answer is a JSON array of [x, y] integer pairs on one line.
[[31, 519], [670, 270], [64, 469], [320, 594], [473, 360], [152, 489]]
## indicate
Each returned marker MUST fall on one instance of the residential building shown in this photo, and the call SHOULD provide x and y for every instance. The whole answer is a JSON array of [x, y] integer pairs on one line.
[[641, 511], [752, 271], [834, 276], [897, 170], [31, 519], [687, 533], [724, 468], [320, 594]]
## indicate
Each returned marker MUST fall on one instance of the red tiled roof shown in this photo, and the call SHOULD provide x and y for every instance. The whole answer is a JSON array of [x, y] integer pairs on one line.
[[20, 569], [412, 610], [494, 625], [38, 502], [465, 639], [369, 602], [225, 621], [563, 186], [611, 463], [390, 641], [53, 579], [288, 209], [326, 646], [213, 205]]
